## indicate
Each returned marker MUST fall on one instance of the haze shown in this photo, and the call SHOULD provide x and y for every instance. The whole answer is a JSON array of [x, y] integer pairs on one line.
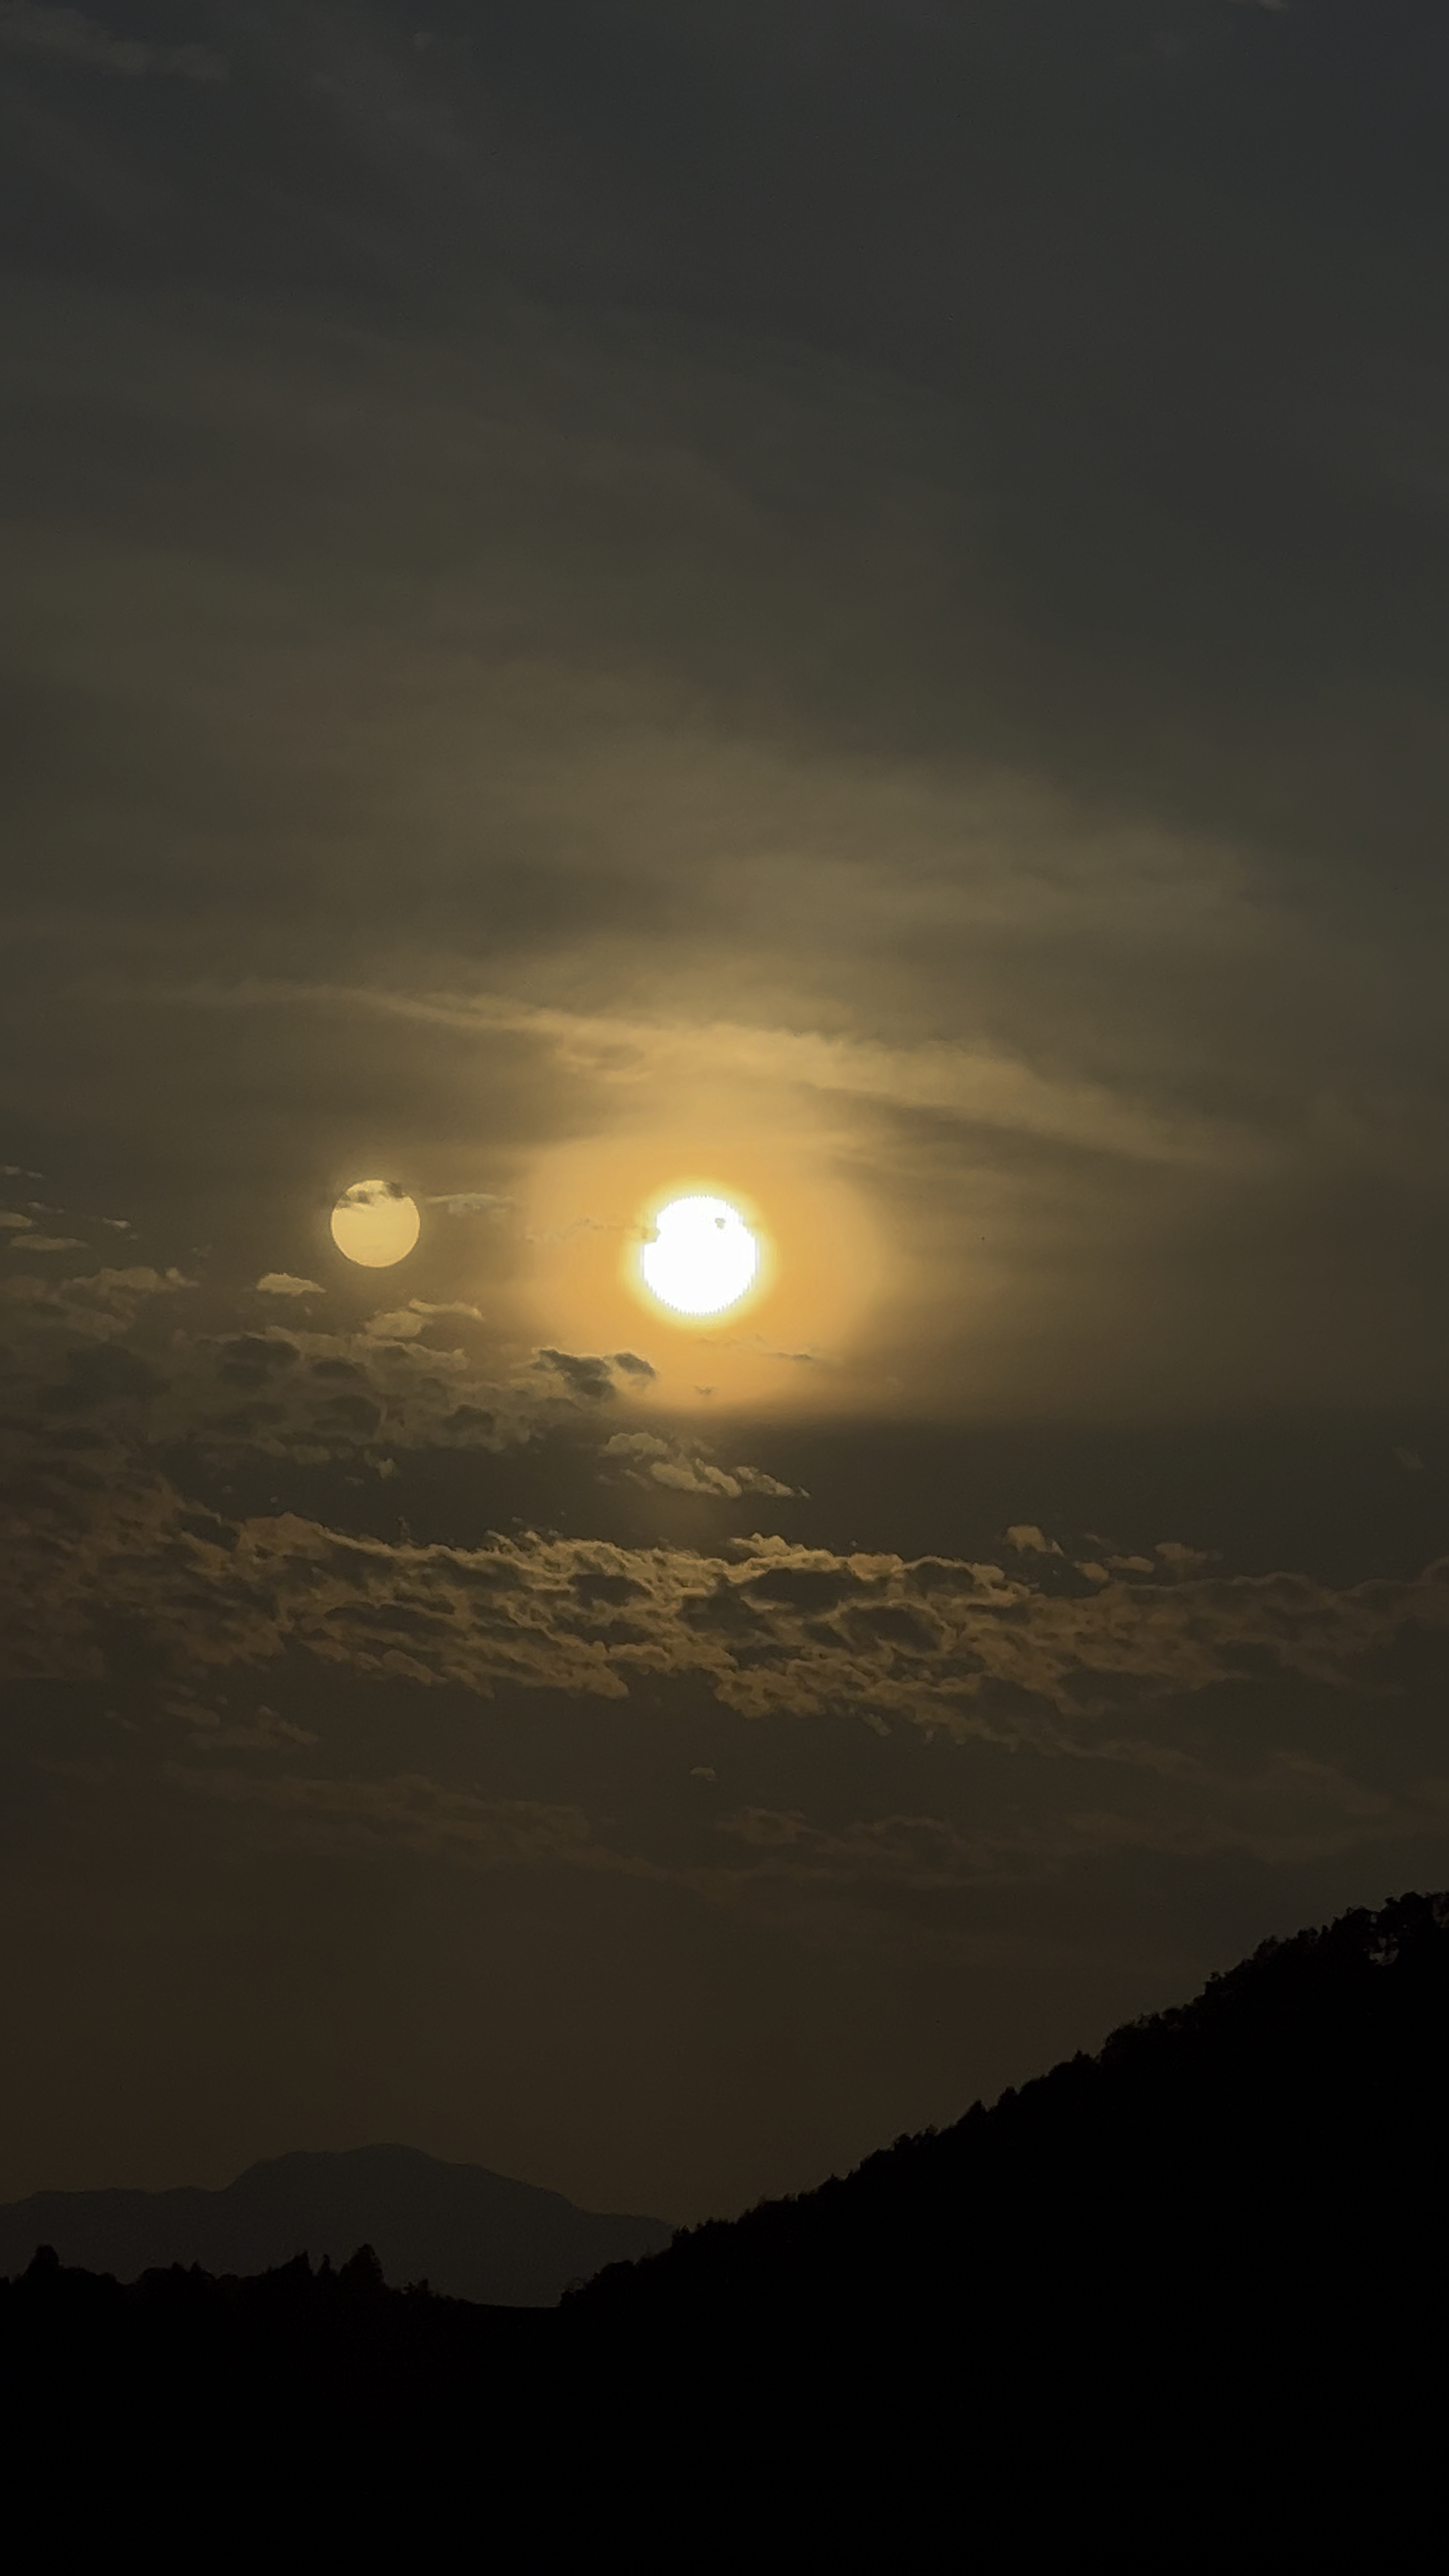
[[836, 606]]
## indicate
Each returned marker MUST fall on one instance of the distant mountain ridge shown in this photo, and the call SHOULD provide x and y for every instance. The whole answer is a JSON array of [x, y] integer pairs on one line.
[[471, 2233]]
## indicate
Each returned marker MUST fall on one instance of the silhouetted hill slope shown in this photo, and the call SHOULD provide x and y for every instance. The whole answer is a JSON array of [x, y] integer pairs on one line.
[[470, 2233], [1280, 2140]]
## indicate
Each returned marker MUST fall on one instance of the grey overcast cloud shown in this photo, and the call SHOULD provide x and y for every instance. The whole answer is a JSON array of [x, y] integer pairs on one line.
[[837, 607]]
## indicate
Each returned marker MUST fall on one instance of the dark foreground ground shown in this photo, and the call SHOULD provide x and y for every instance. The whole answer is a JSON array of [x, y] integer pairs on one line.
[[1183, 2299]]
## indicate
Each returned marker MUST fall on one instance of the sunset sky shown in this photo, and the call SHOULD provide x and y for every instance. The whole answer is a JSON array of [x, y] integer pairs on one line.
[[836, 603]]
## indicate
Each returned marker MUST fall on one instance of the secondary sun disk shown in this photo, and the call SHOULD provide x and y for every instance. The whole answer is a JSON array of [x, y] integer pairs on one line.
[[701, 1256], [376, 1223]]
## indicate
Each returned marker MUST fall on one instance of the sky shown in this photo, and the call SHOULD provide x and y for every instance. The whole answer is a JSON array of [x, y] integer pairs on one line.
[[836, 603]]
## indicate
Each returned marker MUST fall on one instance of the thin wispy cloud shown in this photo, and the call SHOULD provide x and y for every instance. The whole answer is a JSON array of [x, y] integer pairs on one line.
[[65, 37]]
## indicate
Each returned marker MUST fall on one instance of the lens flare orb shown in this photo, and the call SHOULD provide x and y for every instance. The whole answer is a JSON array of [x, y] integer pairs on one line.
[[701, 1257], [376, 1223]]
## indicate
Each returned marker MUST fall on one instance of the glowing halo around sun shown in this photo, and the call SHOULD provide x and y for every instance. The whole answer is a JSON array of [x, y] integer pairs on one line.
[[376, 1223], [589, 1213], [699, 1257]]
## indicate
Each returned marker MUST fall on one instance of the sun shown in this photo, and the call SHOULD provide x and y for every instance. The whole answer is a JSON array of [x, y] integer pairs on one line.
[[376, 1223], [700, 1257]]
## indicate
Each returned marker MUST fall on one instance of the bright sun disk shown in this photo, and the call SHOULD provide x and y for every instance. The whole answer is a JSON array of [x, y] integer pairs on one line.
[[701, 1256], [376, 1223]]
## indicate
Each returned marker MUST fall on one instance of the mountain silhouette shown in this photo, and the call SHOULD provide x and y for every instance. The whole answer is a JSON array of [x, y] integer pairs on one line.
[[1177, 2303], [470, 2233], [1181, 2298], [1285, 2133]]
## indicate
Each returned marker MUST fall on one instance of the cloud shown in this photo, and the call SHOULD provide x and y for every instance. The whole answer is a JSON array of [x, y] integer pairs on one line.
[[405, 1323], [694, 1476], [67, 36], [755, 1480], [265, 1732], [1184, 1560], [1291, 1813], [685, 1471], [758, 1859], [11, 1218], [408, 1813], [311, 1394], [126, 1290], [469, 1202], [217, 1609], [97, 1375], [556, 1234], [989, 1086], [771, 1629], [46, 1243], [365, 1194], [104, 1301], [1027, 1540], [590, 1380]]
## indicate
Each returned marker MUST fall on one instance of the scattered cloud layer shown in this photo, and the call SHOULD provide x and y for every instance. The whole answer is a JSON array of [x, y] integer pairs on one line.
[[770, 1629], [673, 1464], [54, 34]]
